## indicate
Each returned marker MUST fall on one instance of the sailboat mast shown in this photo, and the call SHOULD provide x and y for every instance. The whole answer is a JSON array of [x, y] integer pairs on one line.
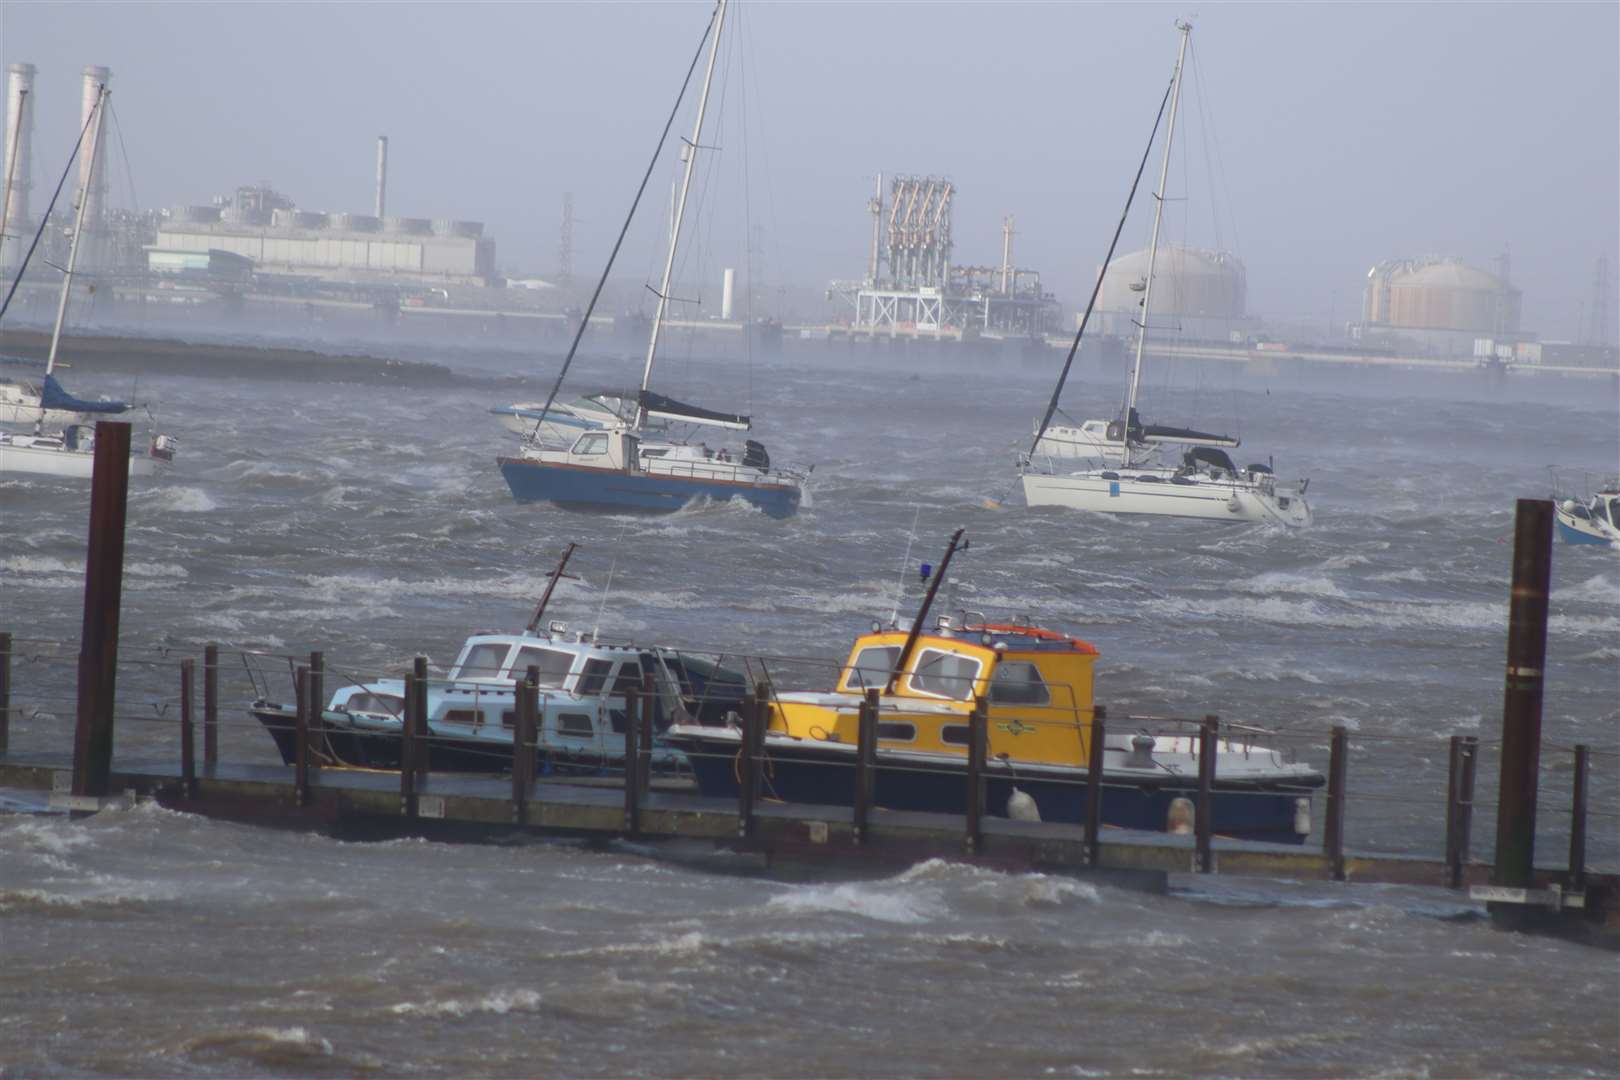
[[78, 231], [680, 211], [1153, 245]]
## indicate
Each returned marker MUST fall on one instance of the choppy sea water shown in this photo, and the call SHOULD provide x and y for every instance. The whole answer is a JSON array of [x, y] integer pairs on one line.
[[371, 523]]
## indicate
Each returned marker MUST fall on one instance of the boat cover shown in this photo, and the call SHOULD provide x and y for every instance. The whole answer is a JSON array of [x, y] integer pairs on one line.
[[667, 408], [1160, 433], [55, 397]]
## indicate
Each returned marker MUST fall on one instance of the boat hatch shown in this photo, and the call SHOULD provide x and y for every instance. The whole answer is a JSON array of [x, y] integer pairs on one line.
[[939, 673]]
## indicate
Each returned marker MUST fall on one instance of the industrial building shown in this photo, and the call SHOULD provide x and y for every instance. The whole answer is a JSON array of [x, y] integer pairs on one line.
[[912, 288], [1438, 305], [1198, 295]]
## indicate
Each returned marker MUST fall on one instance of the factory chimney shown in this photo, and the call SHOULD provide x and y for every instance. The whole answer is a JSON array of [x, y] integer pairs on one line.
[[874, 206], [1006, 254], [16, 161], [93, 184], [382, 175], [728, 283]]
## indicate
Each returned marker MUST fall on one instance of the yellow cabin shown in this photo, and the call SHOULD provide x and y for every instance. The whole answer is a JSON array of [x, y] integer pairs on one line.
[[1036, 684]]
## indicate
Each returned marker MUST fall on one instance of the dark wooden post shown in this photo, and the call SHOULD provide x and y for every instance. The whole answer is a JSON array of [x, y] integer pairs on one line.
[[649, 700], [1094, 786], [317, 693], [525, 695], [865, 756], [747, 776], [1521, 702], [1577, 823], [301, 737], [210, 706], [1465, 801], [424, 735], [103, 596], [5, 692], [1454, 856], [188, 749], [1204, 821], [408, 750], [1333, 828], [632, 761], [973, 839]]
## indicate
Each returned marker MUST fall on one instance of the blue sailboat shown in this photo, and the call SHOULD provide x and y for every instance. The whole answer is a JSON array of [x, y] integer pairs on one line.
[[617, 467]]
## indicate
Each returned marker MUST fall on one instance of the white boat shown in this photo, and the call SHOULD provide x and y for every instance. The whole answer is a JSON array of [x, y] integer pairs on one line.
[[1125, 469], [560, 423], [25, 402], [1595, 521], [69, 450], [616, 467]]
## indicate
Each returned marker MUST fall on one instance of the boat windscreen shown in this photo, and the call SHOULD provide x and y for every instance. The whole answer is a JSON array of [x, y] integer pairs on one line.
[[1208, 455]]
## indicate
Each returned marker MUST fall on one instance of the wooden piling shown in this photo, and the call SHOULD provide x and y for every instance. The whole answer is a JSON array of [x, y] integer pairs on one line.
[[973, 838], [1454, 856], [525, 693], [1577, 822], [1333, 828], [317, 694], [301, 737], [103, 596], [865, 757], [649, 701], [5, 692], [1094, 786], [1204, 820], [424, 737], [747, 764], [632, 761], [210, 706], [188, 750], [1521, 700], [408, 750]]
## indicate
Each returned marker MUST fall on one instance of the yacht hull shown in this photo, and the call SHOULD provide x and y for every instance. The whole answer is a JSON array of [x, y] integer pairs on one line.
[[1206, 500], [582, 488], [77, 464], [1572, 530], [796, 772]]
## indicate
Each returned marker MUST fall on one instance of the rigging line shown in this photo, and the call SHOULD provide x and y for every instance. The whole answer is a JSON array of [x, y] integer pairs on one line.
[[905, 561], [46, 217], [1209, 168], [765, 166], [1097, 288], [585, 320], [744, 27], [129, 173], [1220, 165]]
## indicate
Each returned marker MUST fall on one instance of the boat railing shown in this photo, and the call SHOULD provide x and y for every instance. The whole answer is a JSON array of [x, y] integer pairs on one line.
[[717, 469]]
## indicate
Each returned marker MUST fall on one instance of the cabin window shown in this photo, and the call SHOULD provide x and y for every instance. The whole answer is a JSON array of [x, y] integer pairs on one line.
[[616, 721], [591, 443], [594, 677], [509, 719], [896, 731], [945, 674], [629, 676], [954, 734], [386, 704], [553, 665], [872, 667], [1018, 682], [464, 717], [573, 723], [1603, 509], [484, 661]]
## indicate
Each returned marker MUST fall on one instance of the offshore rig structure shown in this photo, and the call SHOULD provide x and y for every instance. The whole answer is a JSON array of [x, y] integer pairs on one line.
[[911, 287]]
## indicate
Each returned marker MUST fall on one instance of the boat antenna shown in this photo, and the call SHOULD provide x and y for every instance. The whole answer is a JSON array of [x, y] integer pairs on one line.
[[905, 564], [601, 282], [1153, 245], [1057, 392], [690, 154], [45, 218], [551, 586], [922, 612]]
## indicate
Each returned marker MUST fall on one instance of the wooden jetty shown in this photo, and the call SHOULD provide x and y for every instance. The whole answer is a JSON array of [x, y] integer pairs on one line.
[[791, 839]]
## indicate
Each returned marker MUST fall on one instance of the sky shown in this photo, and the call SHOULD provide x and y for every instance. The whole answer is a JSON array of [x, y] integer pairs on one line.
[[1336, 135]]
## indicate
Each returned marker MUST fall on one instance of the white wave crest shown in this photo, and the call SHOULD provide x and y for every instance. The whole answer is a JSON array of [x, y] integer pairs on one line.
[[909, 906], [499, 1003]]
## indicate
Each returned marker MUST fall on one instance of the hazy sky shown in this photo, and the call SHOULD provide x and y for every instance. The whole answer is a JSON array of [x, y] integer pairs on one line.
[[1345, 133]]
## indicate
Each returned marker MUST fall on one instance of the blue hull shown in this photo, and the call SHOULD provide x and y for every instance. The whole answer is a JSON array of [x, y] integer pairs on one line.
[[1245, 812], [611, 489], [1572, 535]]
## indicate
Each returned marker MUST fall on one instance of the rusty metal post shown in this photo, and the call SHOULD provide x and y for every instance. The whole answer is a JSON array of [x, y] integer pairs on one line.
[[1577, 822], [1454, 856], [632, 761], [865, 755], [424, 735], [301, 738], [5, 692], [210, 706], [1094, 786], [103, 596], [408, 750], [1521, 701], [748, 775], [973, 839], [649, 699], [1204, 822], [1333, 827], [188, 748]]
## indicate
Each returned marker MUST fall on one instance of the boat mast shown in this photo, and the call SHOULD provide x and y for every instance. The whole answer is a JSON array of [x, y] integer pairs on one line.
[[73, 248], [690, 154], [545, 597], [1153, 245]]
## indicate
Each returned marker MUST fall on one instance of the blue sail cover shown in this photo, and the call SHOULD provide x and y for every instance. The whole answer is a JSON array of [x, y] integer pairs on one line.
[[55, 397]]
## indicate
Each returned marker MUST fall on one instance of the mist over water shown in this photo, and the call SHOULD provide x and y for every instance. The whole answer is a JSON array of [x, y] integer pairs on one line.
[[370, 522]]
